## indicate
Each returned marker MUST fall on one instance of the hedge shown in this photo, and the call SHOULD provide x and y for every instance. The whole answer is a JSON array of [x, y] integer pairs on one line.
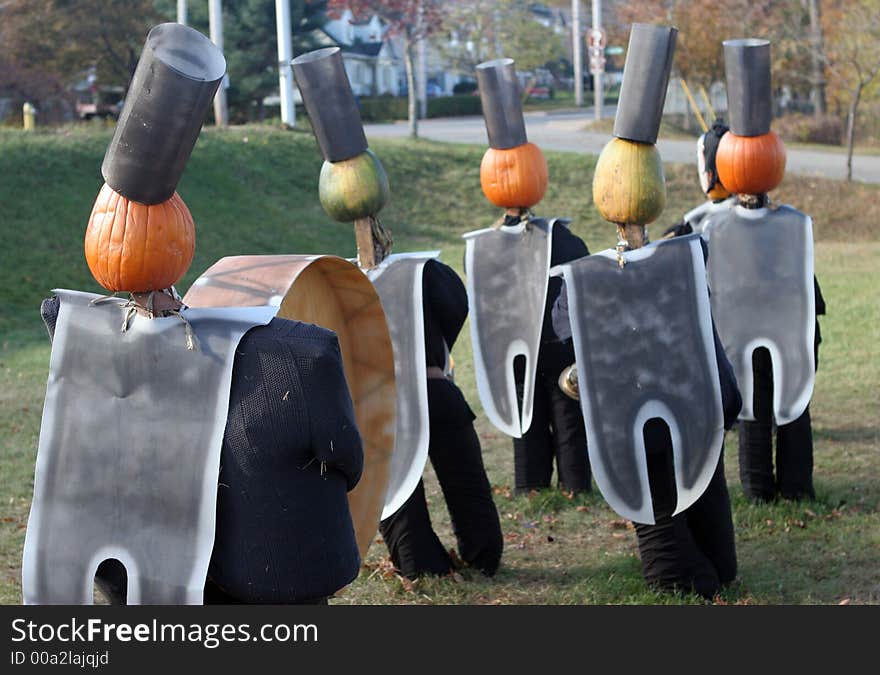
[[386, 108]]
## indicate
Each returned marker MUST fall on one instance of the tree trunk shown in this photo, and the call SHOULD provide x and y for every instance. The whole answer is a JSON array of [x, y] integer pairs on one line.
[[412, 94], [817, 93], [851, 129]]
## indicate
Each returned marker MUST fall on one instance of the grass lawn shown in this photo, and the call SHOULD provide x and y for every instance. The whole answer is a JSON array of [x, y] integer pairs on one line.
[[253, 190]]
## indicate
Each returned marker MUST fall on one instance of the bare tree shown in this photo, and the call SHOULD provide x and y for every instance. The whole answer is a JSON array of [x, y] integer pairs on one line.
[[853, 56]]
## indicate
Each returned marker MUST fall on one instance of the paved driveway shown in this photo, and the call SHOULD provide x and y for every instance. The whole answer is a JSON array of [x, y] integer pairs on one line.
[[564, 131]]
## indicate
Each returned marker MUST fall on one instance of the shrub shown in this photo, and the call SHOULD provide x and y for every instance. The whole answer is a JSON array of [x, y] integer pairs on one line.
[[453, 106], [382, 108], [387, 108], [464, 88], [800, 128]]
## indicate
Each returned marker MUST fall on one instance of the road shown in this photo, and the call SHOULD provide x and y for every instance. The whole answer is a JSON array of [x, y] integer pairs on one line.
[[564, 131]]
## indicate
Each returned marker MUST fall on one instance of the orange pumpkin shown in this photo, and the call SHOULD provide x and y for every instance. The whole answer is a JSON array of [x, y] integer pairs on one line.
[[138, 247], [514, 177], [750, 165]]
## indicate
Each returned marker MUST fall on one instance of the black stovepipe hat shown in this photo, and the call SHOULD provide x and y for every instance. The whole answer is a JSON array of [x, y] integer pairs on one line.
[[167, 101], [645, 80], [501, 98], [326, 92], [749, 97]]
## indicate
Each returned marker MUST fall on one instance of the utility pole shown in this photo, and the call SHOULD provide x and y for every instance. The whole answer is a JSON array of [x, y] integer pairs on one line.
[[599, 100], [181, 12], [215, 21], [577, 52], [285, 54]]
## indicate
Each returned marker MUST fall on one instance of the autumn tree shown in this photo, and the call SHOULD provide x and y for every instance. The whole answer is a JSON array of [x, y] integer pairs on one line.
[[852, 28], [412, 21], [66, 39], [481, 30]]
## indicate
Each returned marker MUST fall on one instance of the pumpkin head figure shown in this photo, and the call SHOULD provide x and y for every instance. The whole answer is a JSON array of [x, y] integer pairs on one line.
[[353, 186], [629, 187], [750, 157], [513, 173], [140, 237]]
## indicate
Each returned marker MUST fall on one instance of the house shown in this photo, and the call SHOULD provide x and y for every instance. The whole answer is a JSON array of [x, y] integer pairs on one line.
[[372, 61]]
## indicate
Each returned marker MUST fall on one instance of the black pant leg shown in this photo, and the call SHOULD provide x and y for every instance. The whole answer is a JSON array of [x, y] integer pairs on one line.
[[414, 547], [671, 559], [794, 458], [458, 462], [533, 453], [756, 438], [569, 439], [711, 525], [794, 450]]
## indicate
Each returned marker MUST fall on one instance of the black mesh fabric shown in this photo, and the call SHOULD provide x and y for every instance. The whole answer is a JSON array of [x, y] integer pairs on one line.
[[290, 453]]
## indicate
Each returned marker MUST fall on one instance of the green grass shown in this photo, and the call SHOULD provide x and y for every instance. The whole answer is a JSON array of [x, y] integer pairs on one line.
[[253, 190]]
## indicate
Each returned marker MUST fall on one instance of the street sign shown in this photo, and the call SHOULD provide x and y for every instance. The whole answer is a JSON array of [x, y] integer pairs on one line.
[[597, 65], [614, 51], [596, 38]]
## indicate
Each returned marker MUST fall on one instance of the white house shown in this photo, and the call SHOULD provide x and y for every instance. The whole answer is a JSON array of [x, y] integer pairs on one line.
[[371, 60]]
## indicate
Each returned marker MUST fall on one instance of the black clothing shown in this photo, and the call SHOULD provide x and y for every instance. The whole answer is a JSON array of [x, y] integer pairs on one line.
[[291, 450], [446, 309], [290, 453], [694, 550], [457, 459], [557, 429], [455, 453], [794, 441]]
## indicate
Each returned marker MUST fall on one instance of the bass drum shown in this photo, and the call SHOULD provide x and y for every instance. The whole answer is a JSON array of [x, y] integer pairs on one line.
[[332, 293]]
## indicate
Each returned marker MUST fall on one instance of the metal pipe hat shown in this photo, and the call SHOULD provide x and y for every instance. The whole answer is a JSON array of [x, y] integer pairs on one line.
[[501, 97], [175, 81], [749, 96], [645, 80], [333, 112]]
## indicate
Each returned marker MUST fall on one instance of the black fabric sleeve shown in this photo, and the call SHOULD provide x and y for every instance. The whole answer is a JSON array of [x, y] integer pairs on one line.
[[731, 400], [680, 229], [333, 430], [445, 299], [566, 246], [49, 309], [820, 301]]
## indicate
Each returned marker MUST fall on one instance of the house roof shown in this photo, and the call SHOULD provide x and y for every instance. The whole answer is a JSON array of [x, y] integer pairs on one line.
[[322, 38], [363, 48]]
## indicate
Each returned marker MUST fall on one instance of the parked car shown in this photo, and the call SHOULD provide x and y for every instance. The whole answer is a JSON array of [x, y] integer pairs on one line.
[[102, 103], [540, 93]]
